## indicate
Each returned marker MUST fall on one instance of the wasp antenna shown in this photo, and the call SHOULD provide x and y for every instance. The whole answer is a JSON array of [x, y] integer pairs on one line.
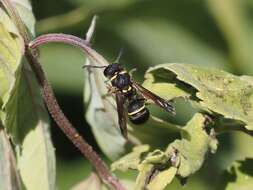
[[132, 71], [119, 55], [94, 66]]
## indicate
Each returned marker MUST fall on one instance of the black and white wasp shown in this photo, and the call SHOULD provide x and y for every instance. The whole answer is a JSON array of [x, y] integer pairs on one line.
[[131, 96]]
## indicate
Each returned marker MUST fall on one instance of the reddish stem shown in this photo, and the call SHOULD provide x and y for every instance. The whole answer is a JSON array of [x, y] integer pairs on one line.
[[72, 40]]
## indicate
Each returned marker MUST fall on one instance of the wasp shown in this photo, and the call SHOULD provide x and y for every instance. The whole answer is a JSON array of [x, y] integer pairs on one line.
[[131, 96]]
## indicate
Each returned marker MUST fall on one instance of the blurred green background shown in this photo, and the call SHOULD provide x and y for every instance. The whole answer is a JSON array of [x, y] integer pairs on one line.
[[211, 33]]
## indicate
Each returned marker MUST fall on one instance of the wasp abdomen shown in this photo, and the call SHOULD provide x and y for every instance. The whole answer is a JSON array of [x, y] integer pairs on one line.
[[137, 112]]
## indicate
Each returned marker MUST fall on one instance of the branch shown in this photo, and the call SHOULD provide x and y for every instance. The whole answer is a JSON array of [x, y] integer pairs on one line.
[[71, 40]]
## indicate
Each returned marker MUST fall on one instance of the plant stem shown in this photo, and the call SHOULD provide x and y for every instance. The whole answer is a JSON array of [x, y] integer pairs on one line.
[[72, 40]]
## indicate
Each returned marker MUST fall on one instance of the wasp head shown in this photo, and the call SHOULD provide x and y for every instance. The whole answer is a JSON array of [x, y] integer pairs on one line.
[[112, 69]]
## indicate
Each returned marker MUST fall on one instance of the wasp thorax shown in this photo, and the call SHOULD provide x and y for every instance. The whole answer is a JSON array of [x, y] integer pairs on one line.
[[121, 81], [137, 112], [112, 69]]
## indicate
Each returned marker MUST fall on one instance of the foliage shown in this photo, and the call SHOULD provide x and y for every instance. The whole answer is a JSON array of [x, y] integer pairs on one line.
[[238, 176], [209, 34], [23, 114]]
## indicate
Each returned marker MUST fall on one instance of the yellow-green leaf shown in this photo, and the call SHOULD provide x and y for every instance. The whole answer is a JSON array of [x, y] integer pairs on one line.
[[36, 158], [215, 90], [24, 9], [161, 88], [23, 113], [144, 173], [162, 179], [11, 48], [131, 160], [192, 148], [9, 176], [183, 157], [238, 177]]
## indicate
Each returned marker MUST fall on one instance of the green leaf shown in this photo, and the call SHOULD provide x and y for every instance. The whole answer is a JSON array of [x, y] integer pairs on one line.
[[30, 131], [24, 9], [144, 173], [131, 160], [11, 49], [155, 171], [36, 158], [162, 179], [161, 88], [183, 157], [238, 177], [216, 90], [193, 147], [9, 177], [23, 113]]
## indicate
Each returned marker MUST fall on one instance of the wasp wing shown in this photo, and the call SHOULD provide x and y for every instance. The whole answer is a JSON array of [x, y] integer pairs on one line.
[[165, 104], [120, 100]]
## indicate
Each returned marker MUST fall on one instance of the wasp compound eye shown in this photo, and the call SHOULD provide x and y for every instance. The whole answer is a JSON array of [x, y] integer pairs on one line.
[[111, 69], [137, 112]]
